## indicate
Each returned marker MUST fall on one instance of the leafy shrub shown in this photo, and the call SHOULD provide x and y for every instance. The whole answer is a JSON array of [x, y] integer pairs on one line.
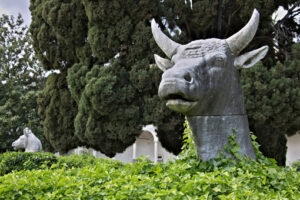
[[77, 161], [10, 161], [185, 178], [29, 161], [143, 180], [296, 165]]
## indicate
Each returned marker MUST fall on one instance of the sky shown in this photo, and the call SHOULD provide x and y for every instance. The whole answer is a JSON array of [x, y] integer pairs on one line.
[[13, 7]]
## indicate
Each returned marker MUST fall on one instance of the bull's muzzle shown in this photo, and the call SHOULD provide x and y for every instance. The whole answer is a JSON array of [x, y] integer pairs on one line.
[[175, 92]]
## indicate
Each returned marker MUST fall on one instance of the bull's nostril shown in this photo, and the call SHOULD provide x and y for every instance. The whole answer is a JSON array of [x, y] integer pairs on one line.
[[187, 77]]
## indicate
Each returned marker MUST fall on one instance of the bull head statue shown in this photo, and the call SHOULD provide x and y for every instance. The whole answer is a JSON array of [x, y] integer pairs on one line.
[[200, 80]]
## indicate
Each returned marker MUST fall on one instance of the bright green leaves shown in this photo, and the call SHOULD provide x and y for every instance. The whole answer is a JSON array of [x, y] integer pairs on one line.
[[296, 165], [189, 150], [85, 177]]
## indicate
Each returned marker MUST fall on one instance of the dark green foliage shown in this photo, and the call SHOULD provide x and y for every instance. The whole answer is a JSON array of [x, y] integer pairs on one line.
[[76, 79], [114, 99], [222, 18], [107, 47], [287, 31], [273, 103], [59, 29], [105, 116], [18, 161], [219, 19], [271, 114], [57, 110], [21, 78]]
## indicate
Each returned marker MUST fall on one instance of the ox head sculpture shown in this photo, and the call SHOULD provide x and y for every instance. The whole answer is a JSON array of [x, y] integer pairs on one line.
[[200, 78]]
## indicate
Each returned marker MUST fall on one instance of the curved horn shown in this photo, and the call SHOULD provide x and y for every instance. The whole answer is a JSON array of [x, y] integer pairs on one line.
[[241, 39], [166, 44]]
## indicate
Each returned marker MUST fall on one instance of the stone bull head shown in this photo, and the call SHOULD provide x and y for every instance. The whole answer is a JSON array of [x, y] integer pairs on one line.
[[200, 80]]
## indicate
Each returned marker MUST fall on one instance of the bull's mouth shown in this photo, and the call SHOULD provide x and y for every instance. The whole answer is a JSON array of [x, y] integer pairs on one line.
[[179, 102]]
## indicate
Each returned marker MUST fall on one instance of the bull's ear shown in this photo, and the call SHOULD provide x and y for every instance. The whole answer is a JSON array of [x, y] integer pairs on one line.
[[249, 59], [162, 63]]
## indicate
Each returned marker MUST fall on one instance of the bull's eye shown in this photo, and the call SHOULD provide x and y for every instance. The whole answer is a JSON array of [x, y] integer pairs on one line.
[[218, 62], [187, 77]]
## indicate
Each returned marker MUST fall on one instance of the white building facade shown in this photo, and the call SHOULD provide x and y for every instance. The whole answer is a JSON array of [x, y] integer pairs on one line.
[[146, 145], [293, 149]]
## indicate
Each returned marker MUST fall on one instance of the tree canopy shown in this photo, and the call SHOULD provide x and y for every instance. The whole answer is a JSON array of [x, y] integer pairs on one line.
[[104, 49], [20, 80], [273, 103]]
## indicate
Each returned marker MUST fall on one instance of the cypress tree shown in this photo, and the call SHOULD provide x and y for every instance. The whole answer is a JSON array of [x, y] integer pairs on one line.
[[119, 93], [273, 103], [57, 110], [58, 30], [106, 48]]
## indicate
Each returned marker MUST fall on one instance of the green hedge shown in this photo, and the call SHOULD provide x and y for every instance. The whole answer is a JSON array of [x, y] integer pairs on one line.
[[218, 179], [10, 161], [77, 161], [17, 161], [296, 165], [185, 178]]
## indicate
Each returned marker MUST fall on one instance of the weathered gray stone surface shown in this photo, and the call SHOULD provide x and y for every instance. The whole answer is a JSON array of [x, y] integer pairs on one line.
[[200, 80], [212, 133], [28, 141]]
